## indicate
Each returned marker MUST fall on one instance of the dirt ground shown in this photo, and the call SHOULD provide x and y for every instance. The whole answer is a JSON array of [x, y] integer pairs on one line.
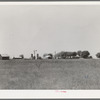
[[60, 74]]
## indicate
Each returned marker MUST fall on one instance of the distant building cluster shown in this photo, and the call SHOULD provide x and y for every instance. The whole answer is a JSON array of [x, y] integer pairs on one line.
[[59, 55]]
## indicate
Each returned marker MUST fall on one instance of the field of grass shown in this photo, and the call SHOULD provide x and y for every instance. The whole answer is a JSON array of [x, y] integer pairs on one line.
[[50, 74]]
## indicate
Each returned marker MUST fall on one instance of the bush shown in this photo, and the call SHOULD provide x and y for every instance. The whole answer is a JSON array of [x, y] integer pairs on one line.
[[98, 55]]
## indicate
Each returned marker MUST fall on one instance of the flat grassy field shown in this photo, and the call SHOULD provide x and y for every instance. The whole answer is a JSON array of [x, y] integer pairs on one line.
[[50, 74]]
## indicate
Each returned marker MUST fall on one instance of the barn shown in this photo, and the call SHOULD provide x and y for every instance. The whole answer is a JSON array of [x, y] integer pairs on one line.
[[4, 57]]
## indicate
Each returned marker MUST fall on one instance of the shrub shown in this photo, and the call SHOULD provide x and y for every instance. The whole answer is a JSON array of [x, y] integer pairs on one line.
[[98, 55]]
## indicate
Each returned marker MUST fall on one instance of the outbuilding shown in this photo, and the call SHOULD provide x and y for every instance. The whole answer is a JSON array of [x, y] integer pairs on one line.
[[4, 57]]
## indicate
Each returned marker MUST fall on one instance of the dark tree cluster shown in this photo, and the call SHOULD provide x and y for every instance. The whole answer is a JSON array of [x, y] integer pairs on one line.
[[84, 54], [73, 55]]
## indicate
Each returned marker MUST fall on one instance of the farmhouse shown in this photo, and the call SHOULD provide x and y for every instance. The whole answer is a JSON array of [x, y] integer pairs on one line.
[[4, 57]]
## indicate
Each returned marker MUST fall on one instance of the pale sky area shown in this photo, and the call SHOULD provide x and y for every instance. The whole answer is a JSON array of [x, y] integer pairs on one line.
[[49, 28]]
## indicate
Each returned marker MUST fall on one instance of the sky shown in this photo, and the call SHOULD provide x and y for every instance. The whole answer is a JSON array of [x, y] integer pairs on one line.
[[49, 28]]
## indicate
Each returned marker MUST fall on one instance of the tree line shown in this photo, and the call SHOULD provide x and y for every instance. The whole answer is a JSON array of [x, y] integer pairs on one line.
[[71, 55]]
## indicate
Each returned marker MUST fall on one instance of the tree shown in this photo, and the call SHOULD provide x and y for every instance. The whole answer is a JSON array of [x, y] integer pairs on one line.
[[60, 55], [74, 54], [64, 55], [22, 56], [98, 55], [71, 54], [79, 53], [85, 54]]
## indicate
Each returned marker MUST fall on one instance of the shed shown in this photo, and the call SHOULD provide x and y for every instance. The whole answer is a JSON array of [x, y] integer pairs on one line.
[[4, 57]]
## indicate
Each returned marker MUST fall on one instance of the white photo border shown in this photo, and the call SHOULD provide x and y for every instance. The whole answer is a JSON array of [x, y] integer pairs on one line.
[[51, 94]]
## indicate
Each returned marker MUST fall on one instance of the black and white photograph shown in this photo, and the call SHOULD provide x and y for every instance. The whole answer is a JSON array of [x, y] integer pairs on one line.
[[49, 47]]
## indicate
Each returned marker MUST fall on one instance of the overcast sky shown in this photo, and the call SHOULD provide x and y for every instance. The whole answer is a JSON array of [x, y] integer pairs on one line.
[[49, 28]]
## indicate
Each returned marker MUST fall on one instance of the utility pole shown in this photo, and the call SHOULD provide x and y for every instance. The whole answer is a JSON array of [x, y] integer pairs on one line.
[[34, 53]]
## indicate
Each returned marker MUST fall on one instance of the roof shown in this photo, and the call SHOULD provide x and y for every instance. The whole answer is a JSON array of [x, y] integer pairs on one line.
[[4, 55]]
